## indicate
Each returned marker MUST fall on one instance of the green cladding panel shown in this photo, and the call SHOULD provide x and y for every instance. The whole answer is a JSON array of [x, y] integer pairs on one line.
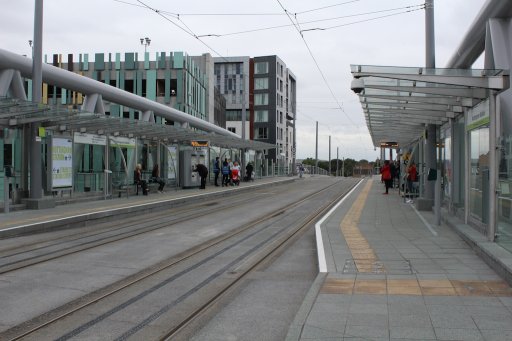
[[167, 86], [86, 62], [118, 61], [129, 61], [178, 60], [115, 110], [179, 90], [139, 83], [151, 85], [146, 60], [161, 61], [99, 61]]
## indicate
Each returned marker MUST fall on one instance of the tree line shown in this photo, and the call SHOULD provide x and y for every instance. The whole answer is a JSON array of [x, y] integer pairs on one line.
[[351, 167]]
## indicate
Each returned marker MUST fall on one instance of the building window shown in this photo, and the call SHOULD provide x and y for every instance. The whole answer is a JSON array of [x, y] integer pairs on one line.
[[260, 68], [260, 83], [260, 99], [261, 116], [261, 133], [233, 115], [232, 129]]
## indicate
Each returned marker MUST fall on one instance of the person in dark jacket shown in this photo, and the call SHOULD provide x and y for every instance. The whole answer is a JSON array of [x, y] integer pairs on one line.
[[203, 173], [248, 171], [216, 170], [155, 177], [225, 172]]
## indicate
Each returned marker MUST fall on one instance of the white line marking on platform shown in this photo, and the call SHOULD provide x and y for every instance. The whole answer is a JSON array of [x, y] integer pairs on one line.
[[322, 263], [430, 228]]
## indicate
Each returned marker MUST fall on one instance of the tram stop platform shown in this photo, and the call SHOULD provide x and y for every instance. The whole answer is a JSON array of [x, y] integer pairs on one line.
[[79, 213], [390, 273]]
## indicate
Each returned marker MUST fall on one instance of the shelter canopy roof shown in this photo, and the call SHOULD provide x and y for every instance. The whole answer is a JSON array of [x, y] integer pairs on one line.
[[398, 102], [15, 113]]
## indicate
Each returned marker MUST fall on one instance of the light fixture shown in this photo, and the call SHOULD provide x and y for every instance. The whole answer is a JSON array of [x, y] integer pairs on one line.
[[146, 42]]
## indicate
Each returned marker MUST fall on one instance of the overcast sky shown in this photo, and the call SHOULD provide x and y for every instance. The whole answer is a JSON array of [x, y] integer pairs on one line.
[[375, 32]]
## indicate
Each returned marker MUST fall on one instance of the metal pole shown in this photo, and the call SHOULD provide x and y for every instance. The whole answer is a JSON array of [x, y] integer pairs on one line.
[[316, 150], [343, 168], [493, 165], [337, 159], [242, 166], [430, 40], [37, 84], [329, 155]]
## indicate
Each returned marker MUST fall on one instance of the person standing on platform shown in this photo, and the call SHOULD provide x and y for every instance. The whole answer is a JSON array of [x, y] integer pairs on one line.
[[225, 172], [392, 167], [216, 170], [412, 176], [203, 173], [386, 175], [248, 171]]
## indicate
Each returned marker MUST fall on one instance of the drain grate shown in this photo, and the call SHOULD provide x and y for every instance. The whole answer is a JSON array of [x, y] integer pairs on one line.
[[354, 266]]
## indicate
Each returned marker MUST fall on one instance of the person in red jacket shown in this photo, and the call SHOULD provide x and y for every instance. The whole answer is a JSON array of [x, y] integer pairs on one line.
[[386, 175]]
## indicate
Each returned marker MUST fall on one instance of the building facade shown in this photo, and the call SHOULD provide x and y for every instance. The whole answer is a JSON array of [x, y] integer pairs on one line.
[[174, 79], [232, 77], [270, 102]]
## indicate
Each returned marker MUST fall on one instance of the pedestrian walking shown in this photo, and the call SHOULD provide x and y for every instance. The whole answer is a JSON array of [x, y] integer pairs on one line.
[[386, 176]]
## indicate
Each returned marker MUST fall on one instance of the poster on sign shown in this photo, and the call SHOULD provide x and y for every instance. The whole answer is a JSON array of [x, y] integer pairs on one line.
[[171, 162], [62, 162]]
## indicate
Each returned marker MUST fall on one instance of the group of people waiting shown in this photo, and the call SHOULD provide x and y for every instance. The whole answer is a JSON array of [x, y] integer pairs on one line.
[[390, 172], [230, 171], [143, 184]]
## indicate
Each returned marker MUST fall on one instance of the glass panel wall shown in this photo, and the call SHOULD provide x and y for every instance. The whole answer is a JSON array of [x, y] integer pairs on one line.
[[447, 172], [504, 219], [479, 175]]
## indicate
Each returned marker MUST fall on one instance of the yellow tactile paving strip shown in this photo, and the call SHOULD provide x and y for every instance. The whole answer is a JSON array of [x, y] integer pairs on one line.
[[362, 254], [416, 287], [365, 259]]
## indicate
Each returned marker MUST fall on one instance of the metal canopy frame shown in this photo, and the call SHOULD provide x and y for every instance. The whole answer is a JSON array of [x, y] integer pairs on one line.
[[399, 101], [15, 112]]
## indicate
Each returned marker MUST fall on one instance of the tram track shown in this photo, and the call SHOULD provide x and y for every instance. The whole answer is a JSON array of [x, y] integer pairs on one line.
[[242, 265], [28, 255]]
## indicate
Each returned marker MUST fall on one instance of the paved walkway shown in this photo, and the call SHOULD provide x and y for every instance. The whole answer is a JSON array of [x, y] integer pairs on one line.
[[394, 275]]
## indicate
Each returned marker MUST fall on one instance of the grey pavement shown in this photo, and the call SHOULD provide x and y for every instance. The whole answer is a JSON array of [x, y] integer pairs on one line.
[[392, 274]]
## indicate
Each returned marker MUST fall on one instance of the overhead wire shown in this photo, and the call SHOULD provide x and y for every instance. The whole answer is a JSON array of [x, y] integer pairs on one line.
[[316, 63], [325, 7]]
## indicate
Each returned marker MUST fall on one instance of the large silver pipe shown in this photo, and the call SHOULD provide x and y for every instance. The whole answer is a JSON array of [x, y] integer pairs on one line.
[[87, 86], [473, 43]]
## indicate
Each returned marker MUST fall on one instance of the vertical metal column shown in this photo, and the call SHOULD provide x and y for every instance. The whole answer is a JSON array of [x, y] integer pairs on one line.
[[337, 159], [36, 190], [316, 149], [493, 164], [329, 155], [242, 158]]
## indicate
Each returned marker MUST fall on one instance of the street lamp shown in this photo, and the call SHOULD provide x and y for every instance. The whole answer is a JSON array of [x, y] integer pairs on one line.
[[146, 42]]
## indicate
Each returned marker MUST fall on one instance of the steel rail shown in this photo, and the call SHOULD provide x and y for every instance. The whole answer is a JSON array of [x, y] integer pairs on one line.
[[282, 244], [34, 325]]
